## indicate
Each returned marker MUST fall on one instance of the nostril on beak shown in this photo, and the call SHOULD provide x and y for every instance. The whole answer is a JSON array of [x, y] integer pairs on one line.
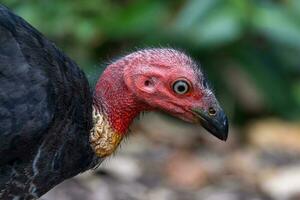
[[212, 111]]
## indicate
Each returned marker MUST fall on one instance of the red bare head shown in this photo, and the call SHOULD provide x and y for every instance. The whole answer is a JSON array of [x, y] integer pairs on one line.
[[158, 79]]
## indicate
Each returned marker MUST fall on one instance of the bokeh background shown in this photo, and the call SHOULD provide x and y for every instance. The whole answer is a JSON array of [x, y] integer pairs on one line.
[[250, 51]]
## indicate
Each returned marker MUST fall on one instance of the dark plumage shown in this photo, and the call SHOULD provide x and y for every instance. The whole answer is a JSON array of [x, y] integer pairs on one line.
[[45, 105]]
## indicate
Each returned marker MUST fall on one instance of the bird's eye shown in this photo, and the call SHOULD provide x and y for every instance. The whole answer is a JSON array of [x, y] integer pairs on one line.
[[181, 87]]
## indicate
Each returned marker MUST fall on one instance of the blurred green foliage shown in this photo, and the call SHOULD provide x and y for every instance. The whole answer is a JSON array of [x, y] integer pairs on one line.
[[250, 49]]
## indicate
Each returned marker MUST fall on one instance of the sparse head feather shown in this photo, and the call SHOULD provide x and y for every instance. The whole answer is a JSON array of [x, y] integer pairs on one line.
[[162, 57], [153, 79]]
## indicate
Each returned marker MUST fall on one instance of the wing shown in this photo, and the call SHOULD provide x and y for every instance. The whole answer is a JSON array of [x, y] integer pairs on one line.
[[33, 75], [26, 96]]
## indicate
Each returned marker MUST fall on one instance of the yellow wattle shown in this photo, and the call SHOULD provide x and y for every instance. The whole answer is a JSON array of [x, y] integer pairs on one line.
[[103, 139]]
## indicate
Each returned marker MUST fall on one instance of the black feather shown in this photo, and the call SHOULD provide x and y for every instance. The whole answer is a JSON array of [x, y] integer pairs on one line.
[[45, 112]]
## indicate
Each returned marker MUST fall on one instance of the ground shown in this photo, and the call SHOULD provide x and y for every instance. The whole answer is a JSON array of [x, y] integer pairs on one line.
[[165, 159]]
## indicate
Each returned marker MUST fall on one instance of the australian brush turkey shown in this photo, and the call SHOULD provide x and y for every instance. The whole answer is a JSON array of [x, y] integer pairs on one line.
[[53, 127]]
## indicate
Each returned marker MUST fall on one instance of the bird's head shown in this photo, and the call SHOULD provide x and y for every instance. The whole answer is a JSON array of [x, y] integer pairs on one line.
[[157, 79]]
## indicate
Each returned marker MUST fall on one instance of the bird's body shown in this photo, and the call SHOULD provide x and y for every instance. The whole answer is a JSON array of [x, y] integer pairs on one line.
[[53, 127], [45, 112]]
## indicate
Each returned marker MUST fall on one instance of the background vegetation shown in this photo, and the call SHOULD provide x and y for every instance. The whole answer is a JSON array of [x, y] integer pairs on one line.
[[249, 49]]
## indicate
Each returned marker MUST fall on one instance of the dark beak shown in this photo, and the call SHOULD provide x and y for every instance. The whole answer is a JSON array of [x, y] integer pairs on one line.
[[214, 121]]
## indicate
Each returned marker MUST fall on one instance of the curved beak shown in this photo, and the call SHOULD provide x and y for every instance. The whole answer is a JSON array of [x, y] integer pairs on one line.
[[214, 121]]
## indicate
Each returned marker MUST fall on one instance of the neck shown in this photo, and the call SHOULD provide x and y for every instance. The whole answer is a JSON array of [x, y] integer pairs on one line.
[[115, 107], [115, 100]]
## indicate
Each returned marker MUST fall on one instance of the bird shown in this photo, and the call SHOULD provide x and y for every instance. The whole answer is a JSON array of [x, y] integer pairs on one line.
[[53, 125]]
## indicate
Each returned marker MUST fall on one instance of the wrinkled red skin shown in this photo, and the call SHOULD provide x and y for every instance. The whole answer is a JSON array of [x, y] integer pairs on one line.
[[142, 81]]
